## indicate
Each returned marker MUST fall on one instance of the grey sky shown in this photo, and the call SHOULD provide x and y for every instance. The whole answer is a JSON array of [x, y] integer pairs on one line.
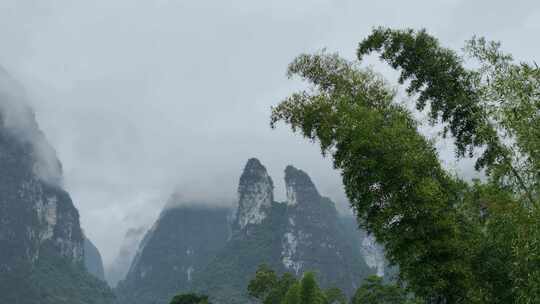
[[141, 96]]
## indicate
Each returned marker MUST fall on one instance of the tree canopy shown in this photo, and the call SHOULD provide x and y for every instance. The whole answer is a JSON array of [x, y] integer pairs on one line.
[[268, 288], [454, 241], [190, 298], [373, 291]]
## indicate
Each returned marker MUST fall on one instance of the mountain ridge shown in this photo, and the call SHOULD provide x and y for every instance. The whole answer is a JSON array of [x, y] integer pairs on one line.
[[304, 233], [42, 256]]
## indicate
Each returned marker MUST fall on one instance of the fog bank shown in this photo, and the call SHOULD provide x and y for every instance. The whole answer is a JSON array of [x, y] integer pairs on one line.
[[141, 98]]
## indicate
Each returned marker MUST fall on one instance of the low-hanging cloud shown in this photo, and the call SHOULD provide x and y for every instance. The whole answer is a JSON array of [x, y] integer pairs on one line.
[[144, 98], [18, 119]]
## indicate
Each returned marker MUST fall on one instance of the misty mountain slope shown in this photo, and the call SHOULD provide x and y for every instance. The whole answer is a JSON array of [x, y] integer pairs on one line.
[[303, 234], [42, 254], [257, 235], [179, 245], [226, 278], [118, 269], [92, 260]]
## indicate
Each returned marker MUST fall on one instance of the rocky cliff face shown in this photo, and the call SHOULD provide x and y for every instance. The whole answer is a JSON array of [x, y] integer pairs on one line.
[[374, 255], [256, 194], [39, 225], [305, 233], [35, 210], [315, 238], [368, 248]]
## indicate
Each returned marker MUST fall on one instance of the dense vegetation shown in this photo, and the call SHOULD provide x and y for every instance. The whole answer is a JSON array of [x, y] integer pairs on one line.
[[267, 287], [190, 298], [53, 280], [453, 241]]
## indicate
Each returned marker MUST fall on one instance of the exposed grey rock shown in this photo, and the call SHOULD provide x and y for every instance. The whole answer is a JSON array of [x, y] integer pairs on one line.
[[374, 254], [300, 188], [315, 239], [256, 194]]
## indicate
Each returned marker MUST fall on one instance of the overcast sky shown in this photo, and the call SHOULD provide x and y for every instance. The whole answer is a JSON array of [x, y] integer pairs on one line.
[[142, 96]]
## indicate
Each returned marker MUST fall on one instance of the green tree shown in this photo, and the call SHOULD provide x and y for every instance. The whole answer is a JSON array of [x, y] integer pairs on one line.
[[268, 287], [494, 107], [264, 282], [391, 173], [190, 298], [373, 291], [335, 296], [310, 291], [293, 295], [439, 230]]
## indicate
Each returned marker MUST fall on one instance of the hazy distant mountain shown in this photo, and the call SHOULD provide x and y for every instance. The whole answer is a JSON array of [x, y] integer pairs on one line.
[[92, 260], [41, 241], [118, 269], [175, 250], [194, 248]]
